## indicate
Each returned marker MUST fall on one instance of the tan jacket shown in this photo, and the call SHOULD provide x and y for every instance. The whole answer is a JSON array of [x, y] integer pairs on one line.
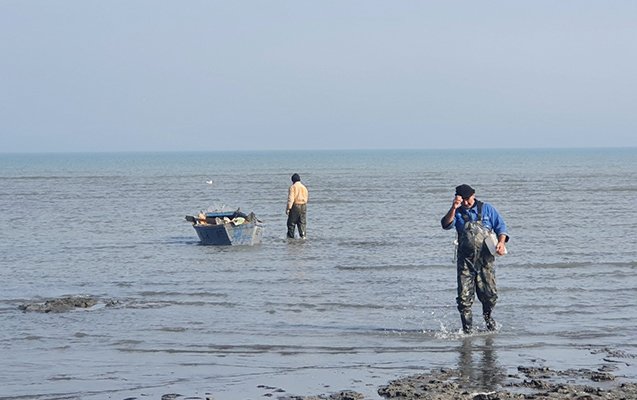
[[297, 195]]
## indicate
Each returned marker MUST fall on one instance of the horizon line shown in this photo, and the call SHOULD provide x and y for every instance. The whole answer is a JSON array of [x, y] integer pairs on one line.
[[307, 150]]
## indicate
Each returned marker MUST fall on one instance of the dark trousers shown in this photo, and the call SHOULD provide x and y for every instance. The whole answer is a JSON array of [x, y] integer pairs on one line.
[[476, 277], [296, 218]]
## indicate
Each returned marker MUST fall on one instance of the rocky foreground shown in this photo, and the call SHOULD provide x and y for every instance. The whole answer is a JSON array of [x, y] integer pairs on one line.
[[536, 383], [444, 384]]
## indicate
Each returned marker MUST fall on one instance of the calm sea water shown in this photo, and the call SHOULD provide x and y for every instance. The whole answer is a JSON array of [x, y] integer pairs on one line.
[[369, 297]]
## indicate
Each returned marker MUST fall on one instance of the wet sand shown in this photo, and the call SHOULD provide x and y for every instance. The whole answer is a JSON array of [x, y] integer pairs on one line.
[[529, 383]]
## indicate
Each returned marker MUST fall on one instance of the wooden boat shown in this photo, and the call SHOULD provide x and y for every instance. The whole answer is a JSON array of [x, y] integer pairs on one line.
[[227, 228]]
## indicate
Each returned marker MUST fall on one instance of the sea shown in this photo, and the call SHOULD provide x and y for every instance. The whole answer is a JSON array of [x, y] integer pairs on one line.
[[367, 298]]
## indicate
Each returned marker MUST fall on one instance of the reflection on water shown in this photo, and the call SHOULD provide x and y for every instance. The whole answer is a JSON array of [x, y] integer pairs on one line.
[[478, 363]]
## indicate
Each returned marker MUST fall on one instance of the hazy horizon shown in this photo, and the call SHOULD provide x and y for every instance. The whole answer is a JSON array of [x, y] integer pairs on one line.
[[212, 151]]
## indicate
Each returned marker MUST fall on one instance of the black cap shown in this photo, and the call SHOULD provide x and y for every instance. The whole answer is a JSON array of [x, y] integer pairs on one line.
[[464, 191], [296, 178]]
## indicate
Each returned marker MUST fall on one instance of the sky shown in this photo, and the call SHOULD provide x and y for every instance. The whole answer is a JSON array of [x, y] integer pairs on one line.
[[153, 75]]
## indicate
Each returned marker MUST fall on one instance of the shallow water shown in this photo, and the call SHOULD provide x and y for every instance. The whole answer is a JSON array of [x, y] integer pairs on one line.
[[369, 297]]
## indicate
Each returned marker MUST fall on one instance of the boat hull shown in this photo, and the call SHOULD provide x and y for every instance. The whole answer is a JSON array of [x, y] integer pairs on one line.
[[246, 234]]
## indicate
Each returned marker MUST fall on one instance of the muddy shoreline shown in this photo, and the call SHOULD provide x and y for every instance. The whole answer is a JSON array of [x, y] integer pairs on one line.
[[529, 383]]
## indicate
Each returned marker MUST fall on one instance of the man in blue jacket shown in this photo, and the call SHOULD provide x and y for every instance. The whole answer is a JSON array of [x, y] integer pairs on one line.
[[476, 223]]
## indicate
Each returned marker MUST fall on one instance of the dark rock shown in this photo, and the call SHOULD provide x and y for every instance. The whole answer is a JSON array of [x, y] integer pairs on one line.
[[432, 387], [602, 376], [347, 395], [62, 304]]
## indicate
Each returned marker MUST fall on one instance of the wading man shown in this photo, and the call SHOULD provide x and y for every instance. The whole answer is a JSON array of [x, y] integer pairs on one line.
[[297, 207], [482, 234]]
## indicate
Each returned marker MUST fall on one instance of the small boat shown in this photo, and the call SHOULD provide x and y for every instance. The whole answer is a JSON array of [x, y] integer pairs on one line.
[[227, 228]]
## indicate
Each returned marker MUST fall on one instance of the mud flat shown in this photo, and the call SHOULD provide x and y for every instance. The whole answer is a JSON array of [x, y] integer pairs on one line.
[[59, 305], [530, 383]]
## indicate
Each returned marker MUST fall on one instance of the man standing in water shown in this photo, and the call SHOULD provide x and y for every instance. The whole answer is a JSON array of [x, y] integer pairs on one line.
[[476, 222], [297, 207]]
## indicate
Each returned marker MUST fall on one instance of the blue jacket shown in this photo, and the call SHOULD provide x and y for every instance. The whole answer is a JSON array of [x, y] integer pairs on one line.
[[491, 219]]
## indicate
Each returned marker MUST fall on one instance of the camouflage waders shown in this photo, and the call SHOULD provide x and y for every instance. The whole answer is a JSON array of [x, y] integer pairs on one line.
[[476, 274]]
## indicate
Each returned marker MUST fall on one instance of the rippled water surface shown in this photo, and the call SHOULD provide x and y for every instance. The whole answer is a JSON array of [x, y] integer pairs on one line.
[[369, 297]]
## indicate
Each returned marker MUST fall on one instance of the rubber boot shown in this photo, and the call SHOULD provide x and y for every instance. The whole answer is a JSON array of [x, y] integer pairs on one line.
[[491, 326], [467, 321]]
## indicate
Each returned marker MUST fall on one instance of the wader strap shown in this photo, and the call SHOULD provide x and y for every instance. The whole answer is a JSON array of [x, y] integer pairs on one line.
[[479, 210], [465, 216]]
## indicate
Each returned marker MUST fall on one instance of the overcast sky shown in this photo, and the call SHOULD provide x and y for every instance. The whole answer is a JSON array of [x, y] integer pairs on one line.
[[138, 75]]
